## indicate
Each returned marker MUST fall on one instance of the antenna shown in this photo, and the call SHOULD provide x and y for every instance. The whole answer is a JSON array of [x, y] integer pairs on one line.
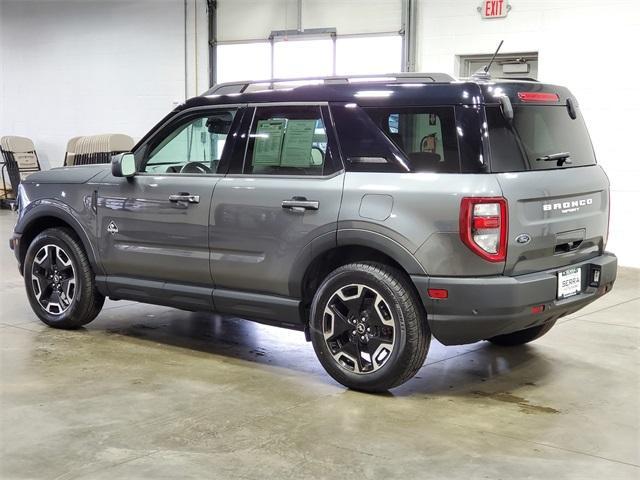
[[488, 66]]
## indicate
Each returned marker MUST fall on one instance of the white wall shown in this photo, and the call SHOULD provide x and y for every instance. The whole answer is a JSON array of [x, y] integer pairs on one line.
[[79, 67], [591, 46], [73, 67]]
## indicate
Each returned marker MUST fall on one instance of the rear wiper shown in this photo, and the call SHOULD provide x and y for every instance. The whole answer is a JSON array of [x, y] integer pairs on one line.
[[562, 157]]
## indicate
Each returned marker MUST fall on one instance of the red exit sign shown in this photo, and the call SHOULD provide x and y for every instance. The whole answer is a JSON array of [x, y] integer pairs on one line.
[[494, 8]]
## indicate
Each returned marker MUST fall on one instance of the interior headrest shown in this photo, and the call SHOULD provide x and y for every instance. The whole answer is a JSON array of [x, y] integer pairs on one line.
[[425, 161]]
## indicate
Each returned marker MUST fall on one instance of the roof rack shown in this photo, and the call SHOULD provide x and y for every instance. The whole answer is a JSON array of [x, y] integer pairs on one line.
[[275, 83]]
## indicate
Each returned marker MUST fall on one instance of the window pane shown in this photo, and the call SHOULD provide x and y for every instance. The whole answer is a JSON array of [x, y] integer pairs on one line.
[[427, 136], [540, 131], [198, 143], [368, 55], [303, 58], [287, 141], [243, 61]]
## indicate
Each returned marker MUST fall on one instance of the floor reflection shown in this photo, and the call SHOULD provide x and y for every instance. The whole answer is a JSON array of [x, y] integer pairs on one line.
[[448, 370]]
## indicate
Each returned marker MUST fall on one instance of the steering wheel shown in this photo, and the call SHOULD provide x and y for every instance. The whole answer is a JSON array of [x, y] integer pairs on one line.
[[195, 167]]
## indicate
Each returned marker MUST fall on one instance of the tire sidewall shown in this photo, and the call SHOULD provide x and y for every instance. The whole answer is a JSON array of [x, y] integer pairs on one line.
[[53, 238], [393, 366]]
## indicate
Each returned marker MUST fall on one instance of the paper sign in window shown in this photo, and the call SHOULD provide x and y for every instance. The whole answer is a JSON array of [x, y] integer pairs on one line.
[[298, 141], [268, 142]]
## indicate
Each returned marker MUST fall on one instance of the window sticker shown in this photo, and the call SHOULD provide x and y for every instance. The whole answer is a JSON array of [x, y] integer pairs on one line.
[[298, 141], [268, 142]]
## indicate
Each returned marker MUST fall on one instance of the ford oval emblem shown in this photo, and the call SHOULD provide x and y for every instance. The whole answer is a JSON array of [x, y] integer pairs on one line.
[[523, 239]]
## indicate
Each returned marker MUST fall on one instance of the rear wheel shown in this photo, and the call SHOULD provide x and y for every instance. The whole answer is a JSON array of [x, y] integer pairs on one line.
[[522, 336], [59, 281], [368, 327]]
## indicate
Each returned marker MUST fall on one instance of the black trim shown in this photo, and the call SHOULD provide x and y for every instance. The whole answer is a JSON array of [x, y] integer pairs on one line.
[[269, 309], [272, 309]]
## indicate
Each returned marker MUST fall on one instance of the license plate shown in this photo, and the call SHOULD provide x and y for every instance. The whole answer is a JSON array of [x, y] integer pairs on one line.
[[569, 282]]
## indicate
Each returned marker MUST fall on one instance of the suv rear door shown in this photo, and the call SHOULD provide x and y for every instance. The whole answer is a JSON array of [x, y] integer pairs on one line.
[[281, 194], [558, 197]]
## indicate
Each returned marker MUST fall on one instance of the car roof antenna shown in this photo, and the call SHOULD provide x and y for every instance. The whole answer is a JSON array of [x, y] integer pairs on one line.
[[483, 73]]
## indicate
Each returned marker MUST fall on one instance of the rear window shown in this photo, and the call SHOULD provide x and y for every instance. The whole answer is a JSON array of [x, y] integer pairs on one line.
[[537, 132]]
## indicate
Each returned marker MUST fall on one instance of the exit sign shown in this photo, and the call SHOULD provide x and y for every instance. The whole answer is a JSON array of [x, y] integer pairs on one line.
[[494, 8]]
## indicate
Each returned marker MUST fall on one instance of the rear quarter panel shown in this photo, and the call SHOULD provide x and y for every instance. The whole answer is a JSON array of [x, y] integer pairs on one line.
[[419, 214]]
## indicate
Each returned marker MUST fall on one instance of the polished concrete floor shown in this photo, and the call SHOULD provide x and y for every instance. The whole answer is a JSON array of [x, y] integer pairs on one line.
[[152, 392]]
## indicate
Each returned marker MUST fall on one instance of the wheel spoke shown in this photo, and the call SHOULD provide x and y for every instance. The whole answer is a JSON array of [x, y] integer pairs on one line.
[[52, 255], [340, 323], [353, 351]]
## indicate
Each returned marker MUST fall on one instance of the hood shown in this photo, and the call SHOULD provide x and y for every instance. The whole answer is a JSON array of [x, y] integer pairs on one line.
[[67, 175]]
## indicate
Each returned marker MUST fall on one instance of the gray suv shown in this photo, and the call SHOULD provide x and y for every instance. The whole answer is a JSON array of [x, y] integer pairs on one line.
[[371, 215]]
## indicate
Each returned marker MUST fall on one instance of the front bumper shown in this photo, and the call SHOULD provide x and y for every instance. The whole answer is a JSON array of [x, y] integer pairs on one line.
[[482, 307], [14, 244]]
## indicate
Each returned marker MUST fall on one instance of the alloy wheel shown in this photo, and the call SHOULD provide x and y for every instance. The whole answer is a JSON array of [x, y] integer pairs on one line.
[[53, 279], [359, 328]]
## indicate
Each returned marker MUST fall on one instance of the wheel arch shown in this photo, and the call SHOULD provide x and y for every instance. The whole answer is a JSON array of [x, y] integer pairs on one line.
[[39, 219], [360, 246]]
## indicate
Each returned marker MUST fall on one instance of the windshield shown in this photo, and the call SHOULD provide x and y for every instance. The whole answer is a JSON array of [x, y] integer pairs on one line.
[[539, 138]]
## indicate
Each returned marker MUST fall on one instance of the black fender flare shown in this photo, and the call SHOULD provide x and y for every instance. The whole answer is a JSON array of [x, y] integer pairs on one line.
[[346, 238], [39, 209], [383, 243]]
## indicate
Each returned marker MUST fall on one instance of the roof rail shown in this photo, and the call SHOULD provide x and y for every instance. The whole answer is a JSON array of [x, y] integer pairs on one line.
[[274, 83]]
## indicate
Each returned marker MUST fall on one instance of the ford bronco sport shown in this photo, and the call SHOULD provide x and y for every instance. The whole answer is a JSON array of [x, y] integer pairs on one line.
[[370, 214]]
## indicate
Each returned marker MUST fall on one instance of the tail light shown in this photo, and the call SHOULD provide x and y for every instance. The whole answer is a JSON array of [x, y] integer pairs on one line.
[[484, 225]]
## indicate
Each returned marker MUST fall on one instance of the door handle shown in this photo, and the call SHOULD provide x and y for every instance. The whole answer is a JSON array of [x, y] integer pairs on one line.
[[184, 197], [300, 204]]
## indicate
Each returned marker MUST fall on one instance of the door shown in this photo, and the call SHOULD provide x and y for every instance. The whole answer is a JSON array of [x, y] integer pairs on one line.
[[280, 196], [154, 226]]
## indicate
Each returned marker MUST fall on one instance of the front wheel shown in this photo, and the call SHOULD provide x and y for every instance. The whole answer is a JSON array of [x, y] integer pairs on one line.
[[59, 281], [522, 336], [368, 327]]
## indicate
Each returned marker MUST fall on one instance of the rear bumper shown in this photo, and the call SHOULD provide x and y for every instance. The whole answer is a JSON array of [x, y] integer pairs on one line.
[[483, 307]]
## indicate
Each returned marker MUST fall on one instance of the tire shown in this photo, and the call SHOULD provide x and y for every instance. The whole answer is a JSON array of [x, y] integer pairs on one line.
[[522, 336], [378, 304], [60, 283]]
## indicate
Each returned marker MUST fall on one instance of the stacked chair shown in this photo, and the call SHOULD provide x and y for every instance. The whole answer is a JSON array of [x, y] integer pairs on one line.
[[19, 159], [95, 149], [69, 156]]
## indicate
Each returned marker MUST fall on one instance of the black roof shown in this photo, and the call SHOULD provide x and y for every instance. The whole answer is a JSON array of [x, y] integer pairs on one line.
[[381, 93]]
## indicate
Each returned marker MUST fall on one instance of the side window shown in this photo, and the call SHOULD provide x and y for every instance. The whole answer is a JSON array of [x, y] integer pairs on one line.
[[288, 140], [195, 146], [427, 136]]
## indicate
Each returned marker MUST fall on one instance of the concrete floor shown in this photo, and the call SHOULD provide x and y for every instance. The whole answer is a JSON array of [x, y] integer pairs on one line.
[[152, 392]]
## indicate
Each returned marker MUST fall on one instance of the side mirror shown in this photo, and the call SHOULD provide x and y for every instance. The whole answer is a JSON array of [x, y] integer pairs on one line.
[[123, 165]]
